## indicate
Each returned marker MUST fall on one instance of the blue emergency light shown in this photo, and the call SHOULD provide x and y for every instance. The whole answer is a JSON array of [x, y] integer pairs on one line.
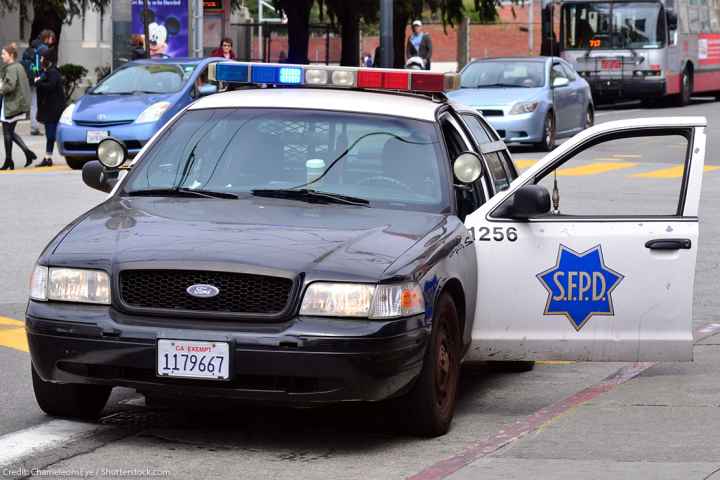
[[332, 76]]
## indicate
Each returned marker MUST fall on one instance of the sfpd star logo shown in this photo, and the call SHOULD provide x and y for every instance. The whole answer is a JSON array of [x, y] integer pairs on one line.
[[579, 285]]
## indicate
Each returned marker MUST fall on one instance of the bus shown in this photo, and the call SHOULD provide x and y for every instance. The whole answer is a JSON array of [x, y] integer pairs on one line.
[[648, 49]]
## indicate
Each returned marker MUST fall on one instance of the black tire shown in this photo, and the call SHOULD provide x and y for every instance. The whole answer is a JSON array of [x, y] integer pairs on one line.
[[76, 163], [589, 117], [549, 132], [70, 400], [431, 401], [683, 98]]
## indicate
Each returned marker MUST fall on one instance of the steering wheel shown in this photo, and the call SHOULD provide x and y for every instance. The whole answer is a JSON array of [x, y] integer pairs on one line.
[[382, 178]]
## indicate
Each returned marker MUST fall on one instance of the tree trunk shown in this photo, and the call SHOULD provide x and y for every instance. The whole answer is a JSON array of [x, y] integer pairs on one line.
[[298, 15], [399, 24], [350, 35], [45, 16]]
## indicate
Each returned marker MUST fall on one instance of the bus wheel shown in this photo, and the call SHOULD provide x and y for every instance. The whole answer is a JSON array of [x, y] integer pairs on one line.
[[683, 97]]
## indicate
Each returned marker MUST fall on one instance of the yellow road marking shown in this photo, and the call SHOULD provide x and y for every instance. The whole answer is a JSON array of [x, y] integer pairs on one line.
[[672, 172], [12, 334], [524, 163], [54, 168], [593, 168], [11, 322]]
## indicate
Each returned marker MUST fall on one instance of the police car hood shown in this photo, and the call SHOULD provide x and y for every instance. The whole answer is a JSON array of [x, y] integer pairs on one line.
[[340, 240]]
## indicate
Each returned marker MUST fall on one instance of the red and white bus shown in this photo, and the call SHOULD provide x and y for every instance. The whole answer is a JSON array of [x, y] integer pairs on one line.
[[643, 49]]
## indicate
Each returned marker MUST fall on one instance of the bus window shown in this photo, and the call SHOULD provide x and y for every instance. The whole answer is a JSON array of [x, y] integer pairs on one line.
[[617, 25]]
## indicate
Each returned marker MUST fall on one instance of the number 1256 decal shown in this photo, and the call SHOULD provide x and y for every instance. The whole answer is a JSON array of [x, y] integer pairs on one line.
[[498, 234]]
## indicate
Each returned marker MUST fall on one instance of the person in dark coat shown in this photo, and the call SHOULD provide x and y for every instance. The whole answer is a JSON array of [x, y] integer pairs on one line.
[[15, 92], [51, 102], [419, 44]]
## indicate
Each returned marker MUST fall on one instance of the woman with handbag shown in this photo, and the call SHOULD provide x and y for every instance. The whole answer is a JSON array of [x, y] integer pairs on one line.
[[15, 91], [51, 101]]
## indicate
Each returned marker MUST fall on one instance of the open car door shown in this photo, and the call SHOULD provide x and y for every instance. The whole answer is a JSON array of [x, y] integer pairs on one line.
[[590, 254]]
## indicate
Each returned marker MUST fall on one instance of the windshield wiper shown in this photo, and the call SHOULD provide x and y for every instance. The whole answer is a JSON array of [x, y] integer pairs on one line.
[[308, 195], [181, 192]]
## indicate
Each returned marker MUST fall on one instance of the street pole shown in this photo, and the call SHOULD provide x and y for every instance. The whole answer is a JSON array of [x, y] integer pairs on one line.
[[261, 40], [198, 40], [386, 33], [146, 28], [531, 28]]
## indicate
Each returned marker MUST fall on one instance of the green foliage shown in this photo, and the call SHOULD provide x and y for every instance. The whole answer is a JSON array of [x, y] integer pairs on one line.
[[66, 9], [72, 76]]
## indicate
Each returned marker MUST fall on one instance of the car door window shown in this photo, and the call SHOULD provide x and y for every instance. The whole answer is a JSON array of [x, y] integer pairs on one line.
[[468, 199], [557, 72], [201, 80], [500, 167], [481, 133], [636, 175]]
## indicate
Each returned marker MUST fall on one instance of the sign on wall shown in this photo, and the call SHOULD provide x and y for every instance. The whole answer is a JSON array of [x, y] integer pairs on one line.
[[168, 26]]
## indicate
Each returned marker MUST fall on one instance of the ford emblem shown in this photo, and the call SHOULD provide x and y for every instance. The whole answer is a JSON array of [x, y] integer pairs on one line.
[[201, 290]]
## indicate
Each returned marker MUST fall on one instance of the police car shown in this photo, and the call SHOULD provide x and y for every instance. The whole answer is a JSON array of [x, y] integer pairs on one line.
[[346, 234]]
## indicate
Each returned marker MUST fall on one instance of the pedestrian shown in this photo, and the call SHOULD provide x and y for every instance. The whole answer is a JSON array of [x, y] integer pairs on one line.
[[419, 44], [224, 50], [51, 102], [15, 91], [31, 62]]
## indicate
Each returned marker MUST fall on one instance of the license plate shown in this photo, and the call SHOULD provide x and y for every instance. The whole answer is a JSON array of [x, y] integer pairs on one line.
[[193, 359], [611, 64], [96, 136]]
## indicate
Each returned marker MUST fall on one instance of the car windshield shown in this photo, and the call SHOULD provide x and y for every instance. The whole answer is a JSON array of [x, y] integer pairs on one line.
[[622, 25], [390, 162], [154, 78], [503, 74]]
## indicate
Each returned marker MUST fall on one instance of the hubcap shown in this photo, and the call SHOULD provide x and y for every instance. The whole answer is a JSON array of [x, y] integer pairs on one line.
[[548, 131], [442, 370]]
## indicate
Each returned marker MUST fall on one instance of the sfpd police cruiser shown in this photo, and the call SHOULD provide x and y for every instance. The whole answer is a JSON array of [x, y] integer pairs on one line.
[[346, 234]]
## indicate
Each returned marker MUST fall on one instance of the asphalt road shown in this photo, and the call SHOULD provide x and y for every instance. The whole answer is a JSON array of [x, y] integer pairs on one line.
[[561, 420]]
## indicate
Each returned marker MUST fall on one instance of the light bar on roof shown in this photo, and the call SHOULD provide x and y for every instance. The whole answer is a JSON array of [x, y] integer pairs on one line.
[[334, 77]]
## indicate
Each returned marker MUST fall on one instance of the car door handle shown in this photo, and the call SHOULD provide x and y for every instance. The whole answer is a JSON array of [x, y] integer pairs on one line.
[[669, 244]]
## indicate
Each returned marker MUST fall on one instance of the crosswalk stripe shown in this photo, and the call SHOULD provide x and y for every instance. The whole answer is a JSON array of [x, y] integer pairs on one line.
[[671, 172], [593, 168]]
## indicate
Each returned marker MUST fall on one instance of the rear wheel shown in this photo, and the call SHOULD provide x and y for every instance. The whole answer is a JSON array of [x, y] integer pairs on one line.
[[431, 402], [76, 163], [683, 98], [548, 141], [70, 399]]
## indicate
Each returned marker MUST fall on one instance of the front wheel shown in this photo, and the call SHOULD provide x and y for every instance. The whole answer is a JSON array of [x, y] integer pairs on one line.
[[76, 163], [431, 402], [69, 399], [683, 98], [548, 140]]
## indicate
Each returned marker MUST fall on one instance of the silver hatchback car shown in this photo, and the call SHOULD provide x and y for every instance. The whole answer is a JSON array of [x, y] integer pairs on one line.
[[532, 100]]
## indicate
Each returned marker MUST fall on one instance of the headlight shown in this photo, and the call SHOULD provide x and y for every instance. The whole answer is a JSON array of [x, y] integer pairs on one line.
[[523, 107], [153, 112], [66, 117], [362, 300], [70, 285]]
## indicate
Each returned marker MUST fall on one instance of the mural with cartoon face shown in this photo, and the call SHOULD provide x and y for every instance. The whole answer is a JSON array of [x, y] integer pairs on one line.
[[167, 29]]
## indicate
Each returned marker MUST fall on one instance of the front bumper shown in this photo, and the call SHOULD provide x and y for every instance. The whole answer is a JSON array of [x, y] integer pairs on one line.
[[605, 88], [303, 361], [72, 139], [524, 128]]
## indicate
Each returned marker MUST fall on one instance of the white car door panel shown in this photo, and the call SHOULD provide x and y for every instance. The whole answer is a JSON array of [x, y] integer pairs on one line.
[[589, 288]]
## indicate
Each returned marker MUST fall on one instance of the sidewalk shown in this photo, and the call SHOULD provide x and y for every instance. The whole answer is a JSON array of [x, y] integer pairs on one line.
[[36, 143]]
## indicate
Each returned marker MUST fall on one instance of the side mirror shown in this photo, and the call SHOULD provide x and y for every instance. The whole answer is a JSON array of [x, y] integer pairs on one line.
[[112, 152], [96, 176], [207, 89], [560, 82], [527, 201], [467, 167], [672, 20]]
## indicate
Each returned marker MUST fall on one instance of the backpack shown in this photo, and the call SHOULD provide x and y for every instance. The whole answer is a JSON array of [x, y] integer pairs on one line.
[[31, 64]]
